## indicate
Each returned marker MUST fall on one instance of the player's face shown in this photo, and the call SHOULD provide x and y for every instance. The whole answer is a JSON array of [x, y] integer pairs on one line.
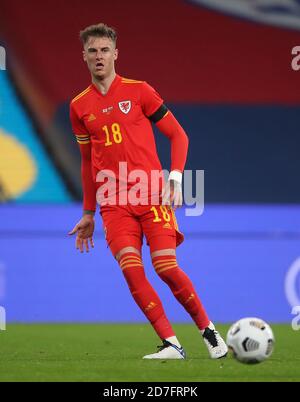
[[100, 55]]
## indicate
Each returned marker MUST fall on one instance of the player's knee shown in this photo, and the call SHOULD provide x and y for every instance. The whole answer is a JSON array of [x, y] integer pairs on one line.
[[166, 268], [132, 267], [164, 252], [125, 250]]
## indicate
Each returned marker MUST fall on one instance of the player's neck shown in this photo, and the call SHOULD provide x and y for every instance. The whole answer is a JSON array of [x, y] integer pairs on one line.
[[103, 84]]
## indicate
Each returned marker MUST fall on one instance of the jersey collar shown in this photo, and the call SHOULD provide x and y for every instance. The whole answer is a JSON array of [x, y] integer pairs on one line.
[[111, 89]]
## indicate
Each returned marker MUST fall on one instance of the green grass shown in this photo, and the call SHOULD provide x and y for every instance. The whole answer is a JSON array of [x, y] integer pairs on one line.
[[112, 352]]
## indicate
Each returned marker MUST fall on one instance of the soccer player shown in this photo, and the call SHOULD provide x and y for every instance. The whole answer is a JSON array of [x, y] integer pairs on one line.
[[112, 120]]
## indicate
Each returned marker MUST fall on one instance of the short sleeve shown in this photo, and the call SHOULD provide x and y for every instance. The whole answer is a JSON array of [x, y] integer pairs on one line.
[[78, 127], [150, 99]]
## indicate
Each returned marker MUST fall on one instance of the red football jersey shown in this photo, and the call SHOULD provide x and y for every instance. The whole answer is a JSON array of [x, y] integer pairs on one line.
[[114, 130], [117, 125]]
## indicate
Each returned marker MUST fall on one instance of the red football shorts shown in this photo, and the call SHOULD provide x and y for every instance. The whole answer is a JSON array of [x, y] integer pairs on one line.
[[126, 225]]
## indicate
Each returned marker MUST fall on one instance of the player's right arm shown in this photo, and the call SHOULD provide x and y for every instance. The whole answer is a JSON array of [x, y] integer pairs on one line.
[[84, 229]]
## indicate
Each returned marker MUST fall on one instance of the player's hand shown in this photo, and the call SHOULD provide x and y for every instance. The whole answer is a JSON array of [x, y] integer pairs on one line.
[[84, 230], [172, 194]]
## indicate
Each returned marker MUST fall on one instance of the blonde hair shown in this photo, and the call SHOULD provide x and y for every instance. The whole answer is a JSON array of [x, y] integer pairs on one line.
[[99, 30]]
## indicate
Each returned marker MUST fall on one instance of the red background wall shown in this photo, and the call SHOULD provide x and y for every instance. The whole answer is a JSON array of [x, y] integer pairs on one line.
[[189, 53]]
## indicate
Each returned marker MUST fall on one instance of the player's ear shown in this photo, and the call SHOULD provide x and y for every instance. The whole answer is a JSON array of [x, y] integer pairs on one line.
[[84, 55], [116, 54]]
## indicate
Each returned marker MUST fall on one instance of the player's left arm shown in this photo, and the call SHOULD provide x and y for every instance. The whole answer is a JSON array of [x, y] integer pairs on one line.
[[169, 126], [154, 108]]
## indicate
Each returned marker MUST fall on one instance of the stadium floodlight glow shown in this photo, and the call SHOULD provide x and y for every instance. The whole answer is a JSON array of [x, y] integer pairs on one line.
[[2, 58]]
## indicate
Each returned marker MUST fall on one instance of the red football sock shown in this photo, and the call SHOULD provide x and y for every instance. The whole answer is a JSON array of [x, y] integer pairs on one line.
[[182, 288], [144, 294]]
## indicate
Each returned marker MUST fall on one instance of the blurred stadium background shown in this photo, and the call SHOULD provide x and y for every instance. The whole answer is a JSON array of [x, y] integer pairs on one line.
[[226, 74]]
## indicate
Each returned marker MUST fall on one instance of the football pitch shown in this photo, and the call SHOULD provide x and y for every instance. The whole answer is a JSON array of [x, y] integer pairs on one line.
[[112, 352]]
